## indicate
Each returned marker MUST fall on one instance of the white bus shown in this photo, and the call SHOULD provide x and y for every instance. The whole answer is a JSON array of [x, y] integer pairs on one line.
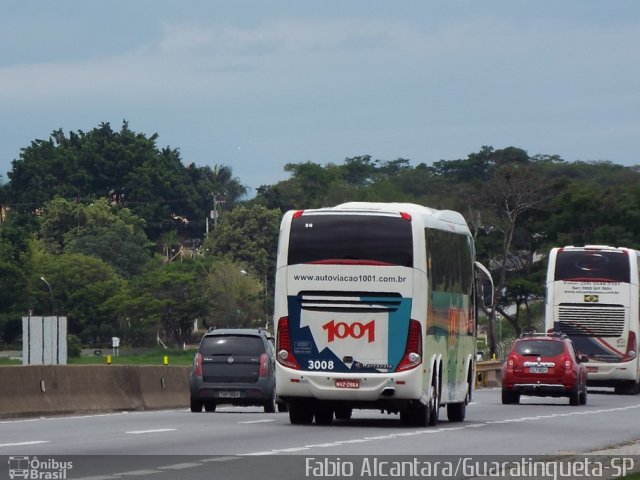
[[593, 296], [375, 308]]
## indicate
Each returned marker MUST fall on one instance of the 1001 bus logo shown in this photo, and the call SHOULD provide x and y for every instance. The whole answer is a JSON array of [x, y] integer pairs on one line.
[[355, 330]]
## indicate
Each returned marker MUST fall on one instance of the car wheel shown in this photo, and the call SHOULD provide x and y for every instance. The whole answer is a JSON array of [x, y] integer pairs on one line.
[[300, 413], [210, 406], [574, 397], [196, 405], [509, 397], [583, 395], [270, 405], [282, 407], [324, 416]]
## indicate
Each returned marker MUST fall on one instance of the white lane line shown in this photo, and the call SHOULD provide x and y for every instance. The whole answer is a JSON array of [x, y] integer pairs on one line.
[[156, 430], [257, 421], [22, 444], [135, 473], [180, 466], [220, 459]]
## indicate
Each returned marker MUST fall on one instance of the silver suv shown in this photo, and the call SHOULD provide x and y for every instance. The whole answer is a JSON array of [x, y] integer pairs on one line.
[[234, 366]]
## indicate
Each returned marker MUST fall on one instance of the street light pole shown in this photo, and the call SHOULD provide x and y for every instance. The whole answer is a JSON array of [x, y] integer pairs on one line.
[[53, 310]]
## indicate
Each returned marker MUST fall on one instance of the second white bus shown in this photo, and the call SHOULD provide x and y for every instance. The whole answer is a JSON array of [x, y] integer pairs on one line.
[[375, 308], [593, 295]]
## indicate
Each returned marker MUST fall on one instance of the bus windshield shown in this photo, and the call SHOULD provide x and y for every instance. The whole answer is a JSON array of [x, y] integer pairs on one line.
[[370, 239], [595, 266]]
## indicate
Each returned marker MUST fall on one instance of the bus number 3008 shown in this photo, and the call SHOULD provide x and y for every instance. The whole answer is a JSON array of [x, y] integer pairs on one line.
[[320, 365]]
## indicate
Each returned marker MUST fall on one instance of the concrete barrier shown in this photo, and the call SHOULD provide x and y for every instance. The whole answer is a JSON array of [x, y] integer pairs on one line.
[[489, 373], [64, 389]]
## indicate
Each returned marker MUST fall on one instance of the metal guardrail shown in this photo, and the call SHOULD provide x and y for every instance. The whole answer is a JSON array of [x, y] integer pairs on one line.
[[488, 373]]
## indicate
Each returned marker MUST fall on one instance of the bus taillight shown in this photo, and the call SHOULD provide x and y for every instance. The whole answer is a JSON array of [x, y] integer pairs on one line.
[[632, 347], [283, 345], [413, 351]]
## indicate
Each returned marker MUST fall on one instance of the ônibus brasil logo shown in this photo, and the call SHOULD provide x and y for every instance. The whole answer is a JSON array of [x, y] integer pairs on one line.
[[32, 468], [355, 330]]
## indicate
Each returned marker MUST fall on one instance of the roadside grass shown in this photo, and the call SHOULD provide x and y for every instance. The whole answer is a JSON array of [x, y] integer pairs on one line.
[[9, 361], [154, 357]]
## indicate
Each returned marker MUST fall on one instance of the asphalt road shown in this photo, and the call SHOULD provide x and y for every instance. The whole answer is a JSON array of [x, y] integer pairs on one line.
[[179, 444]]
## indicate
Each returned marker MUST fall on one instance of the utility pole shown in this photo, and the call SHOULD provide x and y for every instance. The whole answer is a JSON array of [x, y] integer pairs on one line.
[[214, 213]]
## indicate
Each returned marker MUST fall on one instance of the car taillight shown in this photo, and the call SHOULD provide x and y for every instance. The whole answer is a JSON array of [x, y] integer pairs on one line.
[[511, 361], [197, 365], [283, 345], [566, 363], [632, 348], [264, 365], [413, 351]]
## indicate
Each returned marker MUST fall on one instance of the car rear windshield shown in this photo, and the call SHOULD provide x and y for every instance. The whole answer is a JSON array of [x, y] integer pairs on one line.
[[541, 348], [231, 345], [592, 265], [351, 238]]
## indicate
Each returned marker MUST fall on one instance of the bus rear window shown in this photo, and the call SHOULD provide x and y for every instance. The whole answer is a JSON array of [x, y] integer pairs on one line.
[[592, 266], [351, 238]]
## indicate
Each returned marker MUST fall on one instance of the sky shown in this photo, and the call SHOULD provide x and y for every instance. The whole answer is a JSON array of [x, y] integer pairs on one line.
[[255, 85]]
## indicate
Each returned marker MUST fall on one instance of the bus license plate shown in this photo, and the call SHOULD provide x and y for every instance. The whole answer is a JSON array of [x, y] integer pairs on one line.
[[347, 383], [229, 394], [538, 369]]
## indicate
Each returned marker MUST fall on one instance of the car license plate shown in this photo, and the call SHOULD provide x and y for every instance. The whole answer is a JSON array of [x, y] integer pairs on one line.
[[592, 369], [538, 369], [348, 383], [229, 394]]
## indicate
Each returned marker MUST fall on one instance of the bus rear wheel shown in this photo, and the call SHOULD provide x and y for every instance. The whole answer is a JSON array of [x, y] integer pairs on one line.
[[324, 416], [343, 413], [300, 413]]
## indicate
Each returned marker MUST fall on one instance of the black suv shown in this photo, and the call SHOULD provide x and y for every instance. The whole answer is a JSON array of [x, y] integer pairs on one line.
[[234, 366]]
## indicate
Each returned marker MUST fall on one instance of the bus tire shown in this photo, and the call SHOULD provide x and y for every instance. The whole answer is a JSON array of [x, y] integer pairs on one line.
[[456, 412], [324, 416], [433, 408], [630, 388], [300, 413], [415, 415], [343, 413]]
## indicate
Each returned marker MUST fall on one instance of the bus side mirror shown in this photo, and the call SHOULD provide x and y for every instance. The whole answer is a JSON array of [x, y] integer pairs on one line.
[[487, 294], [484, 285]]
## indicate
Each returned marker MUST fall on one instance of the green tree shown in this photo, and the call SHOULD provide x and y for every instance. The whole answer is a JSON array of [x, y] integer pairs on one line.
[[248, 235], [169, 298], [235, 296], [111, 233], [127, 169], [81, 287]]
